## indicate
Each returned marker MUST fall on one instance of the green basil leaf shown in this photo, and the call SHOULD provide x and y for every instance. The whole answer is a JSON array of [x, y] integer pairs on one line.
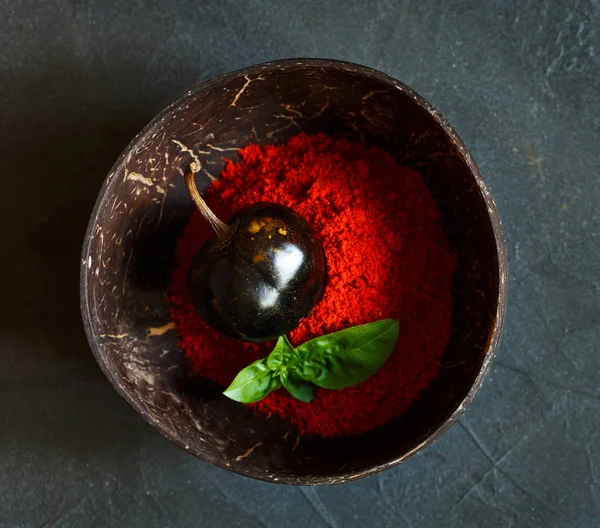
[[275, 382], [282, 354], [253, 383], [298, 388], [347, 357]]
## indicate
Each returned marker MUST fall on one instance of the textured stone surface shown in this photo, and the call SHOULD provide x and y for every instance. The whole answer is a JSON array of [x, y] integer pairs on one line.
[[519, 81]]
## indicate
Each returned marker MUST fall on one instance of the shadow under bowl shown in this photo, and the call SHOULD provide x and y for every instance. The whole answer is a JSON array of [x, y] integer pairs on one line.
[[143, 206]]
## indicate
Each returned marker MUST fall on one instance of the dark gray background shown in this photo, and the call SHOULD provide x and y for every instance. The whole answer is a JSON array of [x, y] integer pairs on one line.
[[519, 80]]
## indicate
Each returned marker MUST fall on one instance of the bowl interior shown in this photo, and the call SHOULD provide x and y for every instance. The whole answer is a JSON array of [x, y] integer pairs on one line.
[[143, 206]]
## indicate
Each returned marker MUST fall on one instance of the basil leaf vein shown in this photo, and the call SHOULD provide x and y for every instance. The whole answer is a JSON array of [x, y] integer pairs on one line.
[[347, 357], [253, 383], [282, 354]]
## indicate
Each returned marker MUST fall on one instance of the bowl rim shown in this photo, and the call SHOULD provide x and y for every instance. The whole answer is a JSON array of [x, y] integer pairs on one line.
[[500, 244]]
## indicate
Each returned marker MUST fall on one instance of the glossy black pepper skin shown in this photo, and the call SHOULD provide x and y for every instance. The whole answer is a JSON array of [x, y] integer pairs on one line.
[[263, 278]]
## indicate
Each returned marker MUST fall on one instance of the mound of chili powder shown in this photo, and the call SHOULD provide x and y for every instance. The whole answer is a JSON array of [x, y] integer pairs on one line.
[[386, 255]]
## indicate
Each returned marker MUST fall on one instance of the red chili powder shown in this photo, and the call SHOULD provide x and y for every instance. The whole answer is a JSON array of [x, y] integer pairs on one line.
[[386, 256]]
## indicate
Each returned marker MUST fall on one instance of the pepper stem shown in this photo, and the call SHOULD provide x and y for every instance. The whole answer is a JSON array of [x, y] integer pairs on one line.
[[221, 229]]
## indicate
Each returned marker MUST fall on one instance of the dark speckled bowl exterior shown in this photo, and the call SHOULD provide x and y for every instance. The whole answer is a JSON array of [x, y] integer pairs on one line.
[[143, 206]]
